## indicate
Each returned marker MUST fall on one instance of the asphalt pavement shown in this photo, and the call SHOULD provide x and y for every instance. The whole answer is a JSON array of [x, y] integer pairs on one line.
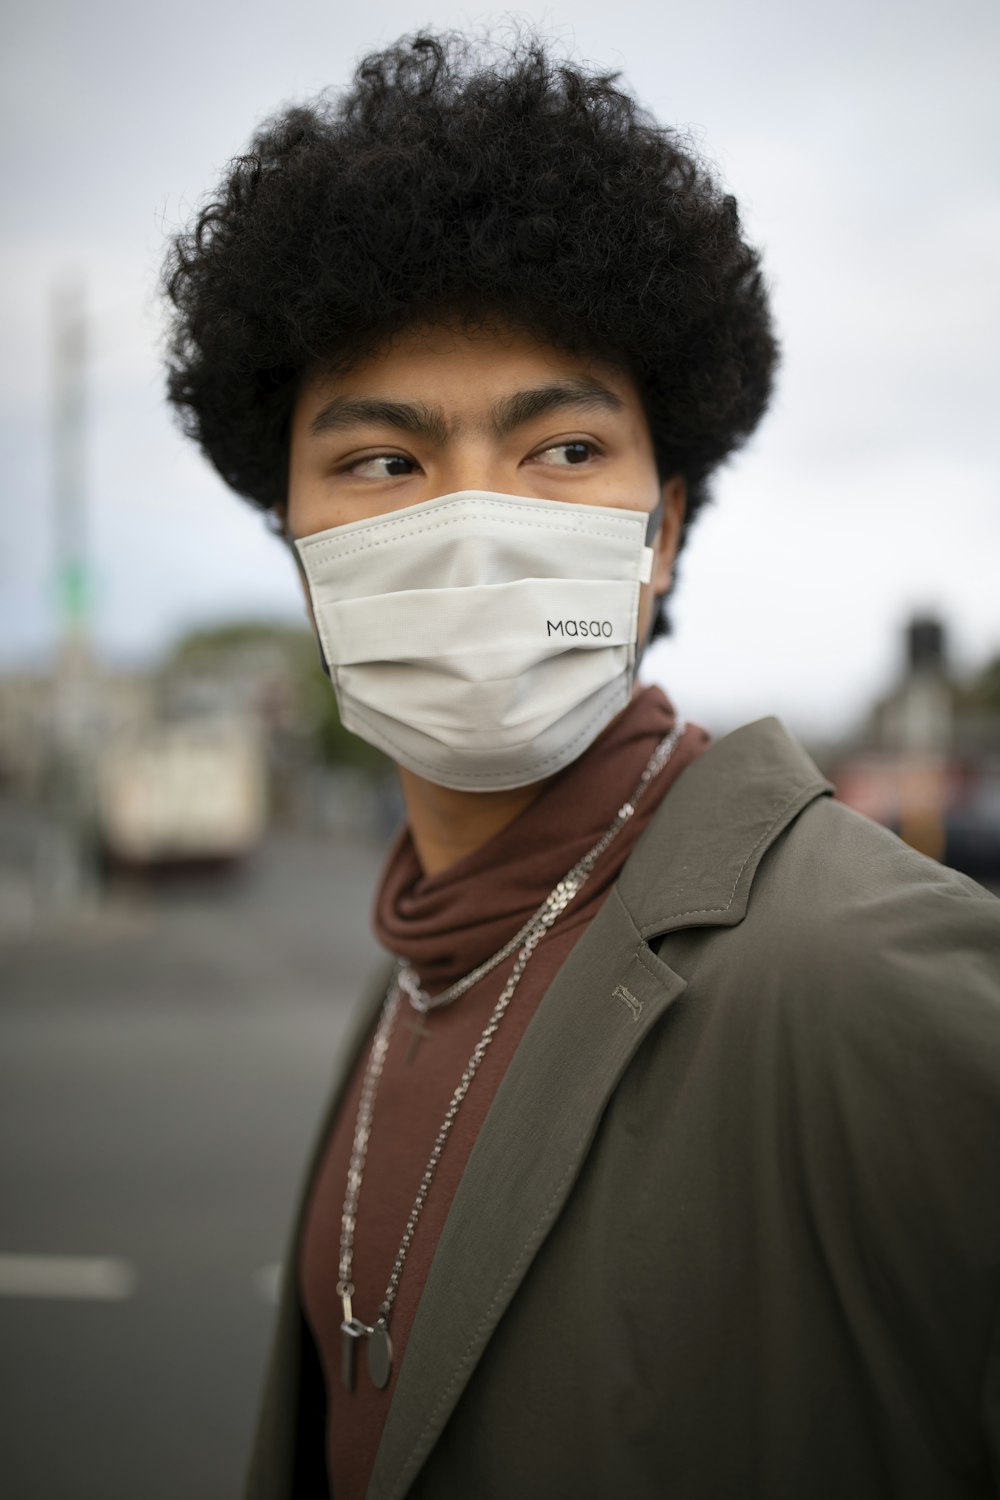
[[164, 1056]]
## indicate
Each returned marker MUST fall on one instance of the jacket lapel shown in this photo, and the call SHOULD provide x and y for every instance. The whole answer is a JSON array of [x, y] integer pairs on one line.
[[604, 1000], [692, 867]]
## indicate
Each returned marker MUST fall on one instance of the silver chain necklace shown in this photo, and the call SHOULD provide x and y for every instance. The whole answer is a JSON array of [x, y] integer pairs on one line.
[[405, 981]]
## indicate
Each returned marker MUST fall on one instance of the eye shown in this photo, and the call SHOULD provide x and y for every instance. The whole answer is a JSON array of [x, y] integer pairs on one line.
[[562, 455], [381, 466]]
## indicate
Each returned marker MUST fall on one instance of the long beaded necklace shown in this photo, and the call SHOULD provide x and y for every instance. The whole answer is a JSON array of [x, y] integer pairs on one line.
[[406, 982]]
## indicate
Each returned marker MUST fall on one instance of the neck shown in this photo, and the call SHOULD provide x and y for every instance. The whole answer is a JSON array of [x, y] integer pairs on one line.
[[447, 825]]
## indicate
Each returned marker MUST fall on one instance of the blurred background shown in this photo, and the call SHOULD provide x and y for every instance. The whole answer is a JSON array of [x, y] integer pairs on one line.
[[188, 840]]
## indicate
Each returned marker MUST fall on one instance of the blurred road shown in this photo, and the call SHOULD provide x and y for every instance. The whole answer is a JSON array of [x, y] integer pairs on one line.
[[162, 1066]]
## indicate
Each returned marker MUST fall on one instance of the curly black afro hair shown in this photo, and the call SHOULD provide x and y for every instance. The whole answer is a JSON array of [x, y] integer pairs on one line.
[[457, 179]]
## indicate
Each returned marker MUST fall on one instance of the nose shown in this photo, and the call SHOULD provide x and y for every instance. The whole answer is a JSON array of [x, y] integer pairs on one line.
[[475, 468]]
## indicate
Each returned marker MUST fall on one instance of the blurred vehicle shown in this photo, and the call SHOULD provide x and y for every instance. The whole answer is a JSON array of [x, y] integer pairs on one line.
[[972, 834], [194, 791]]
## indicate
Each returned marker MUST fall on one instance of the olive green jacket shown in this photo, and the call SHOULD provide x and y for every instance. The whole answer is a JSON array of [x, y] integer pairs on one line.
[[732, 1225]]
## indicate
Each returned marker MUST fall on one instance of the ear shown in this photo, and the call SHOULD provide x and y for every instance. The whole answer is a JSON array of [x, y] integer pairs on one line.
[[674, 500]]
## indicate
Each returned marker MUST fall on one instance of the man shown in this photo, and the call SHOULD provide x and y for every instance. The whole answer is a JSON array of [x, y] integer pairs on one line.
[[664, 1159]]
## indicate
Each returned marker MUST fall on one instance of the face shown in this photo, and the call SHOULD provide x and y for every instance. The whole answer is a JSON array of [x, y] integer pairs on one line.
[[440, 410]]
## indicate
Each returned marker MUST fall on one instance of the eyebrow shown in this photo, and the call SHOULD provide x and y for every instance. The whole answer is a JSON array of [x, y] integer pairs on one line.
[[430, 422], [369, 411], [523, 406]]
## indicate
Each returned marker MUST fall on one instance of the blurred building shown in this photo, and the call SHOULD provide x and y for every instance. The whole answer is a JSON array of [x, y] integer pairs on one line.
[[926, 760], [115, 704]]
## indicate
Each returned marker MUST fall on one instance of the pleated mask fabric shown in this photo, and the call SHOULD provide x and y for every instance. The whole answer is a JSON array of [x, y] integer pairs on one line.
[[481, 640]]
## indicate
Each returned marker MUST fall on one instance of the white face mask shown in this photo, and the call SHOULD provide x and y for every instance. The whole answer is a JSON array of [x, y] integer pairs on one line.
[[481, 640]]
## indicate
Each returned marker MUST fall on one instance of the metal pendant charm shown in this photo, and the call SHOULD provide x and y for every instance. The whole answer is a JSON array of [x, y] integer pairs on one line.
[[350, 1331], [380, 1354]]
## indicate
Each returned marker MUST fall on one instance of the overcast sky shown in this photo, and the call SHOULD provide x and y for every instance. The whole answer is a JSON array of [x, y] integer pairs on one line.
[[862, 141]]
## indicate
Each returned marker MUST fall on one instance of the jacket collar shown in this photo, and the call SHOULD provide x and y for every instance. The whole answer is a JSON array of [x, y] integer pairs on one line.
[[693, 866], [696, 862]]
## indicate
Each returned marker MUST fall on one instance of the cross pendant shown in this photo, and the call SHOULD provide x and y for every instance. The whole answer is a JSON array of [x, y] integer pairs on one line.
[[418, 1031]]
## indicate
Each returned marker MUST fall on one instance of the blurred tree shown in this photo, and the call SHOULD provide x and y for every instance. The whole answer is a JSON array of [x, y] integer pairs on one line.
[[265, 654]]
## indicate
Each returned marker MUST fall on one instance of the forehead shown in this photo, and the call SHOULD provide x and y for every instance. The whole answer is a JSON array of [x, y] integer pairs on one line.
[[462, 371]]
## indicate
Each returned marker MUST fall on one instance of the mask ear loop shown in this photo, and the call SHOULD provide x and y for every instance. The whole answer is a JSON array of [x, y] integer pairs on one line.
[[652, 528]]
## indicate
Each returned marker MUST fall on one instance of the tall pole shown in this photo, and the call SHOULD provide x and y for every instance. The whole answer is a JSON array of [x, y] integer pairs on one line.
[[70, 783], [68, 456]]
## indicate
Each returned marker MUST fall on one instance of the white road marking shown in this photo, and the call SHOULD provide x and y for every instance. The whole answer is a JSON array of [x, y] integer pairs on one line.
[[267, 1281], [91, 1279]]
